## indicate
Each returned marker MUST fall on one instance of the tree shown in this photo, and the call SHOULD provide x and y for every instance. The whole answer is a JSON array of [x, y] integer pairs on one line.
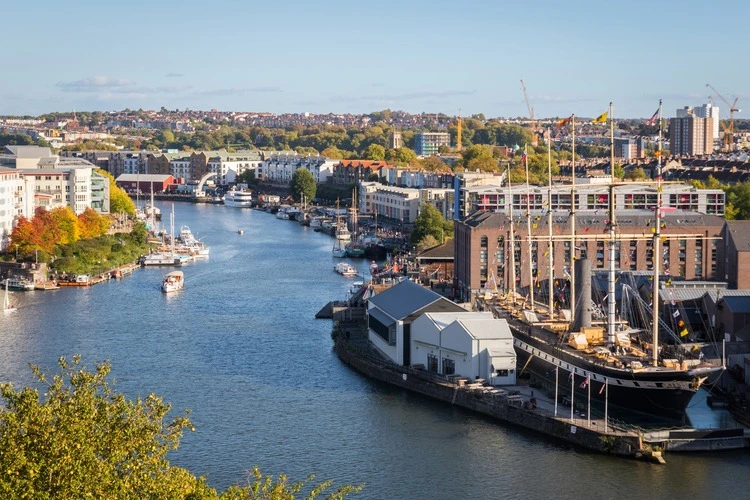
[[430, 222], [119, 201], [303, 183], [91, 224], [619, 171], [333, 152], [65, 219], [635, 174], [401, 156], [375, 152], [434, 164], [86, 440], [247, 177]]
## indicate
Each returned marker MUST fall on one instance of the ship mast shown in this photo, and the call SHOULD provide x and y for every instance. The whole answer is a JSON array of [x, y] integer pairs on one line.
[[550, 285], [612, 234], [573, 223], [528, 228], [512, 241], [656, 247]]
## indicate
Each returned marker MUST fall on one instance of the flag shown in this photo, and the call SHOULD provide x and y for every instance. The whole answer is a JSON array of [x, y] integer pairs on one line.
[[602, 389], [564, 121], [523, 157], [653, 119], [676, 314], [683, 332], [585, 382], [602, 118]]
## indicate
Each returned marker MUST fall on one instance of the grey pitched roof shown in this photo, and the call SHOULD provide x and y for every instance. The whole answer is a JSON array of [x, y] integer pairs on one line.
[[29, 151], [739, 231], [404, 298]]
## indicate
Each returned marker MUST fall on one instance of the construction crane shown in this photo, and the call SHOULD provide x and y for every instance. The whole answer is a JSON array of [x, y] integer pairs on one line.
[[728, 130], [534, 139], [458, 131]]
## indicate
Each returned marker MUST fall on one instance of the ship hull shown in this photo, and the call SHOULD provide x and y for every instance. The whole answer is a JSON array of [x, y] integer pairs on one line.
[[663, 393]]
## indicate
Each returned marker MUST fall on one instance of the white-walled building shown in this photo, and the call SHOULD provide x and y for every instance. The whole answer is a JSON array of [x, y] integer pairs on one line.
[[390, 315], [471, 344], [11, 203], [281, 166], [228, 166], [397, 203], [58, 187]]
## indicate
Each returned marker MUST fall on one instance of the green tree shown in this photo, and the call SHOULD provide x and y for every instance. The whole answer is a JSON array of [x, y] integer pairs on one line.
[[333, 152], [401, 156], [119, 201], [247, 177], [619, 171], [86, 440], [303, 183], [738, 196], [635, 174], [375, 152], [430, 222]]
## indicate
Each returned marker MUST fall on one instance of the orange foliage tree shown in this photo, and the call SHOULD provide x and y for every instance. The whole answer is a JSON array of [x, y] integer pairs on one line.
[[91, 224]]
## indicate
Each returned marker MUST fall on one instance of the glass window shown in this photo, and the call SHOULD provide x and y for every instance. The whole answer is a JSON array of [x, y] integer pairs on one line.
[[449, 366]]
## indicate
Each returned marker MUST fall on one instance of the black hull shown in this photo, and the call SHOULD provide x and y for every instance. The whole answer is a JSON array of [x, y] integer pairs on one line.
[[622, 401], [664, 393]]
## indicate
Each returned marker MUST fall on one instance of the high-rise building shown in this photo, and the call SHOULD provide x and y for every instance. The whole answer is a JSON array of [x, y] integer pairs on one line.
[[705, 111], [690, 135], [428, 143]]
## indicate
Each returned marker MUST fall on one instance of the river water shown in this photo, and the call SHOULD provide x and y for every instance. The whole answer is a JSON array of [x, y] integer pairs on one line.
[[241, 349]]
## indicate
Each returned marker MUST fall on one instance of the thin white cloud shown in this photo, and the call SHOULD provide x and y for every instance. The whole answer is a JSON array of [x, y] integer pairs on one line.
[[174, 75], [94, 84]]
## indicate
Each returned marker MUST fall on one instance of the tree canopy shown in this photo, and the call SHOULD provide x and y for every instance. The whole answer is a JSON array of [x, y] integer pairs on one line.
[[83, 439], [430, 223], [303, 184], [119, 201]]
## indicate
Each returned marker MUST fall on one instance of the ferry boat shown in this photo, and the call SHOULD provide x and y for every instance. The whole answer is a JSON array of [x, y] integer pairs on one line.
[[238, 199], [173, 282], [18, 284], [345, 269], [164, 259]]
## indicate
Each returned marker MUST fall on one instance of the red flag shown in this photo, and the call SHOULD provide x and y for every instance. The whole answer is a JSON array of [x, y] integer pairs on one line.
[[564, 121], [602, 389], [585, 383], [653, 119]]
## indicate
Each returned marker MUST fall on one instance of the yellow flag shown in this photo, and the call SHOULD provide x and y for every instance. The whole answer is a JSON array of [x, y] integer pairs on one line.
[[602, 118]]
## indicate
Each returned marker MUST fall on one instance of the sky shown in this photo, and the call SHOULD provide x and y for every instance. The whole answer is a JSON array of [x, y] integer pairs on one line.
[[331, 56]]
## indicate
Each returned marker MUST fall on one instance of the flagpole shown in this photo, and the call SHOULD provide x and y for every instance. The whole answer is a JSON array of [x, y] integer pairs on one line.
[[573, 224], [572, 394], [612, 240], [606, 403], [589, 402], [556, 382], [550, 248], [528, 228]]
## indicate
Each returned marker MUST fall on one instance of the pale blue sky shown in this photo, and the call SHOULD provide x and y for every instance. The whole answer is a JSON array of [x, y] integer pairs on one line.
[[349, 56]]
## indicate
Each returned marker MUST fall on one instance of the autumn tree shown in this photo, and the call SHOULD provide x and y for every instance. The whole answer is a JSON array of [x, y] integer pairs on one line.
[[401, 156], [92, 224], [67, 222], [333, 152], [119, 201]]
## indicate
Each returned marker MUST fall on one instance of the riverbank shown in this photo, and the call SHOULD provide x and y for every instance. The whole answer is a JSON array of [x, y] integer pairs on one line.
[[515, 405]]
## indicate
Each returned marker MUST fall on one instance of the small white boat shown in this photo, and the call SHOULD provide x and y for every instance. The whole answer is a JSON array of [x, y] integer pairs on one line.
[[240, 231], [173, 282], [7, 306], [18, 284], [345, 269]]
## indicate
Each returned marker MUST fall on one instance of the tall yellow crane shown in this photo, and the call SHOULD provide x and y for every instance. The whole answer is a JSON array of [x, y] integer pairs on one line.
[[728, 130], [458, 131], [534, 139]]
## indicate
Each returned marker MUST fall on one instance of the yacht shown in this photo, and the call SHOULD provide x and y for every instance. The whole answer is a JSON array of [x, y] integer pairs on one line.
[[345, 269], [191, 245], [173, 282], [236, 198]]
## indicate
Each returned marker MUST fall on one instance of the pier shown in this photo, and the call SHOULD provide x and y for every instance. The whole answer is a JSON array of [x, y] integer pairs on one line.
[[517, 405]]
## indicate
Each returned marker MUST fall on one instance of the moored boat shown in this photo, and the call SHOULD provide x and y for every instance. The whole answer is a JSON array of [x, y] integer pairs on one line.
[[345, 269], [238, 199], [18, 284]]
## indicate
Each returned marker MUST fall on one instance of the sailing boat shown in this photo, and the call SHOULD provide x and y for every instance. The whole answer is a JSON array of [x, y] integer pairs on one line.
[[612, 367], [339, 249], [7, 306], [355, 248]]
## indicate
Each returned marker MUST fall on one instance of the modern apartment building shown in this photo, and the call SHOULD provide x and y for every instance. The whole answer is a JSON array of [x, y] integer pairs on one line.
[[11, 203], [691, 135], [704, 111], [428, 143]]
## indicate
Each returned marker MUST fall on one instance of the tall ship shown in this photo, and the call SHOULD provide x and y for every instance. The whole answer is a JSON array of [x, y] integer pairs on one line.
[[237, 198], [606, 362]]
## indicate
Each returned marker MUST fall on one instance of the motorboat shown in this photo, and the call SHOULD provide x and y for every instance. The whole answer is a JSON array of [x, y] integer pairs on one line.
[[18, 284], [173, 282], [345, 269]]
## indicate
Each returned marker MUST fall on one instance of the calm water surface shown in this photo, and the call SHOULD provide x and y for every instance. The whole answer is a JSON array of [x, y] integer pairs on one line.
[[241, 349]]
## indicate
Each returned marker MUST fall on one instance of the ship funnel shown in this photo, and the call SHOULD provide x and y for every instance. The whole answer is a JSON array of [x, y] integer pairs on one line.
[[582, 314]]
